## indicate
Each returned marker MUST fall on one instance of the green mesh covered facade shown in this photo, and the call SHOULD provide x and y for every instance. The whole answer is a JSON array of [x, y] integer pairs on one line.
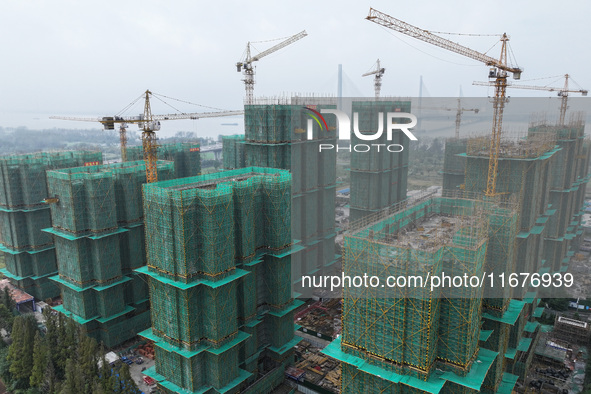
[[233, 151], [219, 275], [454, 165], [544, 174], [569, 176], [99, 240], [524, 173], [275, 137], [28, 252], [411, 339], [185, 155], [378, 177]]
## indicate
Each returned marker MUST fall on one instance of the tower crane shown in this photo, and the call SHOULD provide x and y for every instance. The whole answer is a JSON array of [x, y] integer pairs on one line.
[[562, 93], [499, 69], [379, 73], [247, 67], [459, 111], [149, 124]]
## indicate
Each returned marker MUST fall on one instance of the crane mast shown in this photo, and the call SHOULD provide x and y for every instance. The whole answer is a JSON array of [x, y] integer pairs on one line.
[[123, 140], [563, 100], [499, 71], [149, 142], [247, 67], [459, 112]]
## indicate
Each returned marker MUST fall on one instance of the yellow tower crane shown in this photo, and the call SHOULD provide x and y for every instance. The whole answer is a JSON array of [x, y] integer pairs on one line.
[[499, 68], [562, 93], [149, 124]]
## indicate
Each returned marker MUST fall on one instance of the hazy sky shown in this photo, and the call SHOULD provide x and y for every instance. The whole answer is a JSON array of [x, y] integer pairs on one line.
[[94, 57]]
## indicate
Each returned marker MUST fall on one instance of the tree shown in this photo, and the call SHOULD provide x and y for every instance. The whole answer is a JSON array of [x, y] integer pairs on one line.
[[87, 359], [61, 352], [126, 383], [6, 318], [7, 299], [5, 366], [20, 352], [557, 304], [50, 380], [39, 361], [16, 348], [105, 372], [73, 383]]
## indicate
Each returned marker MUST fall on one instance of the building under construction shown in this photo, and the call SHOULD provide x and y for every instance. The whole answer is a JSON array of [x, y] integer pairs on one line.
[[233, 151], [572, 330], [567, 191], [545, 173], [219, 275], [185, 155], [276, 137], [378, 177], [28, 252], [411, 338], [564, 189], [98, 230]]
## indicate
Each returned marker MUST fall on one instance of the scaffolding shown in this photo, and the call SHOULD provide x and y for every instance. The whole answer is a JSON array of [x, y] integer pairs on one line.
[[23, 183], [515, 145], [523, 172], [543, 173], [276, 137], [219, 266], [98, 233], [29, 252], [233, 151], [97, 199], [185, 155], [413, 326]]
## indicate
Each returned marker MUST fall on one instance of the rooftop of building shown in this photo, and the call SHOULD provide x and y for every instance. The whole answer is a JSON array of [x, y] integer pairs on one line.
[[19, 296], [138, 165], [514, 146], [211, 181], [572, 322], [427, 225]]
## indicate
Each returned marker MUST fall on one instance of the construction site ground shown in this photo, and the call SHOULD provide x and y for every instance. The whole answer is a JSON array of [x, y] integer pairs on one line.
[[319, 370], [579, 267], [322, 317], [130, 349], [554, 370]]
